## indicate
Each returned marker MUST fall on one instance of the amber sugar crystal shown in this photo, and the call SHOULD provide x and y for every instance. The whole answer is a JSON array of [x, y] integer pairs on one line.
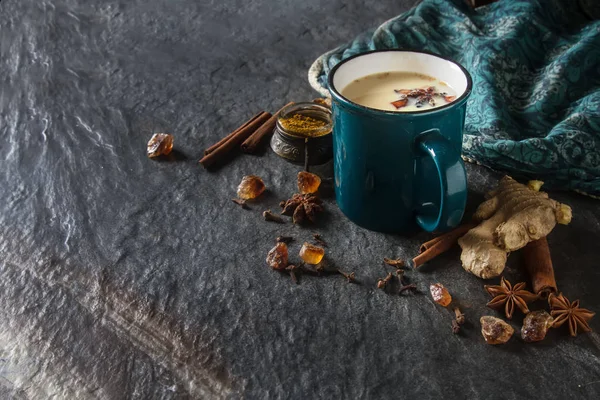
[[311, 254], [536, 325], [250, 187], [277, 257], [308, 183], [495, 330], [160, 144], [440, 294]]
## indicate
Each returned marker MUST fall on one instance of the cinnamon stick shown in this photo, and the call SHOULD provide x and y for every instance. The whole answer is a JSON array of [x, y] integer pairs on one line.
[[233, 139], [538, 263], [252, 144], [433, 248], [226, 138]]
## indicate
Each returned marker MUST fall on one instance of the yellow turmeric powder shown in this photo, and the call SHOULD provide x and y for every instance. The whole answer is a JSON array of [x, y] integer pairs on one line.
[[303, 125]]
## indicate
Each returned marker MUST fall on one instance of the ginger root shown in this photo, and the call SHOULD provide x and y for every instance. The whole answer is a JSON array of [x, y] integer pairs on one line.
[[512, 216]]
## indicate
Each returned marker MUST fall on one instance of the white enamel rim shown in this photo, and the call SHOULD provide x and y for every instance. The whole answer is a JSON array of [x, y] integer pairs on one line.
[[377, 61]]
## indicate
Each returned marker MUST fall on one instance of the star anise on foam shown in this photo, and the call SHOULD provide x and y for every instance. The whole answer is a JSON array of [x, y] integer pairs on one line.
[[302, 207], [562, 310], [423, 95], [508, 296]]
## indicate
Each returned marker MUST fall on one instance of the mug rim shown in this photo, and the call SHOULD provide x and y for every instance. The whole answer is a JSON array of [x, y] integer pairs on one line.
[[338, 96]]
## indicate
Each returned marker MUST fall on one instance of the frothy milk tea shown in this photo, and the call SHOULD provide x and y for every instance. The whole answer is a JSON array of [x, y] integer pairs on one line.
[[399, 91]]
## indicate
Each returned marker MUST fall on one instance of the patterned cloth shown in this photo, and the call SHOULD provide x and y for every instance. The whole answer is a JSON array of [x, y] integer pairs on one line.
[[535, 107]]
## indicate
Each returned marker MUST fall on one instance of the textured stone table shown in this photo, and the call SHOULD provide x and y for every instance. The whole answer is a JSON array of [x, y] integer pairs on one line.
[[123, 277]]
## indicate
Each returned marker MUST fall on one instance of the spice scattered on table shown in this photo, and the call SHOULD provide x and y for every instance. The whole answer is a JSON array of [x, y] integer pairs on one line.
[[495, 330], [269, 216], [250, 187], [459, 319], [440, 294], [538, 263], [223, 149], [311, 254], [319, 240], [277, 257], [383, 282], [308, 182], [536, 325], [159, 144], [292, 270], [302, 207], [506, 296], [241, 203], [351, 277], [436, 246], [565, 311], [455, 327], [254, 141], [459, 316], [398, 263], [500, 230], [410, 287], [312, 262]]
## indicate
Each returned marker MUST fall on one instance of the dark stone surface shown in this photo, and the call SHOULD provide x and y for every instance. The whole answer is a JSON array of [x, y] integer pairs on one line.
[[123, 277]]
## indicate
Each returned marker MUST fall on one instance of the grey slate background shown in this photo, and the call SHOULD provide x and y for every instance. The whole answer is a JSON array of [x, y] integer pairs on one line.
[[127, 278]]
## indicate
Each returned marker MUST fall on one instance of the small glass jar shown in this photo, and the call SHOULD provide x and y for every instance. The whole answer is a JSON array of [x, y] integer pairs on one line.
[[304, 138]]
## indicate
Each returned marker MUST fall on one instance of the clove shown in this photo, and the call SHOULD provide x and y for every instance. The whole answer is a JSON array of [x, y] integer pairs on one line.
[[292, 270], [460, 317], [410, 286], [398, 263], [241, 203], [319, 239], [269, 216], [455, 327], [351, 277], [458, 320], [382, 283]]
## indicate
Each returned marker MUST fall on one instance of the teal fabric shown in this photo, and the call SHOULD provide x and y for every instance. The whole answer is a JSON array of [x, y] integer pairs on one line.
[[535, 107]]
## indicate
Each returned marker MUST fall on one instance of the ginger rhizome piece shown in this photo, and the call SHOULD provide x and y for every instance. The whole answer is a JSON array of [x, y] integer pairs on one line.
[[513, 216]]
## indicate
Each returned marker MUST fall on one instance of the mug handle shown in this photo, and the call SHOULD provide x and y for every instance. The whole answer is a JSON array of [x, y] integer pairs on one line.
[[452, 181]]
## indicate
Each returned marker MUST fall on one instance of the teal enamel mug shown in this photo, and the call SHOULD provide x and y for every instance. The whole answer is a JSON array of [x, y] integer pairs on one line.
[[397, 171]]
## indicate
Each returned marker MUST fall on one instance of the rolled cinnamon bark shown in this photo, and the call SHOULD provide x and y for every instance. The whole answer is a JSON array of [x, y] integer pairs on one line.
[[252, 144], [436, 246], [232, 134], [235, 138], [455, 233], [538, 263]]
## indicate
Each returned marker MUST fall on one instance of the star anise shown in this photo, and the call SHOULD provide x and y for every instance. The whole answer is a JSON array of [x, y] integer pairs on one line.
[[302, 207], [423, 95], [562, 310], [508, 296]]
